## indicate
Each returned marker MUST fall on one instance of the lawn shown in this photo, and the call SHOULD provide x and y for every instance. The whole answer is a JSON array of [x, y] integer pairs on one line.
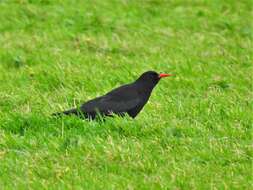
[[194, 133]]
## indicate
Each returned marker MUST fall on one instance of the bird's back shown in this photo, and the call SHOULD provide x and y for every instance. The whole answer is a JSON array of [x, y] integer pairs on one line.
[[124, 99]]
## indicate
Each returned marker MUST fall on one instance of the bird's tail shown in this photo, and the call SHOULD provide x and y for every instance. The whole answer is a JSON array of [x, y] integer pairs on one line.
[[67, 112]]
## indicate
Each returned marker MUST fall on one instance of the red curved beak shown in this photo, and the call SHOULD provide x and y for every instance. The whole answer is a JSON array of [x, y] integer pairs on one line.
[[162, 75]]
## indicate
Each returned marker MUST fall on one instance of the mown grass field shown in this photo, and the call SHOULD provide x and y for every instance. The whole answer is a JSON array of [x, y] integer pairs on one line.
[[196, 130]]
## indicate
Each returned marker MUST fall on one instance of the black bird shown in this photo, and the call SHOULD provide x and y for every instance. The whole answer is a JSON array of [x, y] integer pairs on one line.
[[127, 99]]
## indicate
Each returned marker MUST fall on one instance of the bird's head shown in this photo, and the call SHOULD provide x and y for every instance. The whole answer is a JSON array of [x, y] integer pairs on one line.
[[152, 77]]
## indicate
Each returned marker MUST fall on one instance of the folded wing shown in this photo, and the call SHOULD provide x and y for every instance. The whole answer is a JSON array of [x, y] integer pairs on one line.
[[118, 101]]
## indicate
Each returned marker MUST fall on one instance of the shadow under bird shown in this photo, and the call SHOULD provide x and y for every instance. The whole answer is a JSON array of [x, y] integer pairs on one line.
[[127, 99]]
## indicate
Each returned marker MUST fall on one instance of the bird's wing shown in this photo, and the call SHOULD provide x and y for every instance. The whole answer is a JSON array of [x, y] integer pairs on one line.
[[119, 100]]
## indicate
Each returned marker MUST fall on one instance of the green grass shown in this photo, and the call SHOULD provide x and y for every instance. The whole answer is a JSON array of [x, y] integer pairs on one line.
[[194, 133]]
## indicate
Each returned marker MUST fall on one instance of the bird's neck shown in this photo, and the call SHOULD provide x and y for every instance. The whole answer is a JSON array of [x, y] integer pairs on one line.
[[145, 89]]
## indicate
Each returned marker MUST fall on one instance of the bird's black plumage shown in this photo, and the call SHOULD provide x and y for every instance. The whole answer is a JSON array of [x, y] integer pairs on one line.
[[127, 99]]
